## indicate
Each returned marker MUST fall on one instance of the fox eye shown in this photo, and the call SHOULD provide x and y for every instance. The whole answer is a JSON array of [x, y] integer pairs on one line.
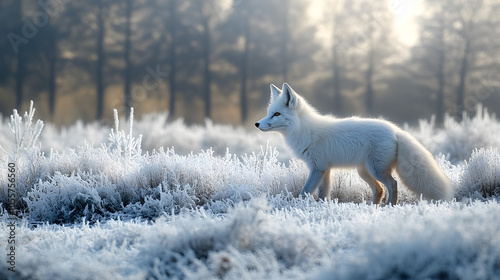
[[276, 114]]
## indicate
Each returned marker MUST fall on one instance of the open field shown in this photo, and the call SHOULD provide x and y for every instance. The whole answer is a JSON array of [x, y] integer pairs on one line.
[[150, 201]]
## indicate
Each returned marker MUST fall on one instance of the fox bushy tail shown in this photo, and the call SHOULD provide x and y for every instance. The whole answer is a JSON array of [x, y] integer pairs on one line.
[[419, 171]]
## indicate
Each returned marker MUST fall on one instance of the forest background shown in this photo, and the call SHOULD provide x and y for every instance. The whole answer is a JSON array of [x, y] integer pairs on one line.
[[215, 59]]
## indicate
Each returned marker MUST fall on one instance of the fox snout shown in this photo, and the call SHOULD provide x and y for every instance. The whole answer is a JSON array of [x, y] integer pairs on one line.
[[263, 125]]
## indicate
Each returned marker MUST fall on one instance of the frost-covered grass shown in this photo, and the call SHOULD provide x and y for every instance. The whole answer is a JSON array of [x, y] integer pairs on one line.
[[272, 238], [458, 140], [209, 202]]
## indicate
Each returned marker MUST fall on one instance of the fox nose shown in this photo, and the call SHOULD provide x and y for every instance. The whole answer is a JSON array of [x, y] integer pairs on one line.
[[257, 124]]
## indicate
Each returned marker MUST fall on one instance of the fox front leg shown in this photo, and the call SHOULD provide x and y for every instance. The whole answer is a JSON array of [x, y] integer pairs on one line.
[[313, 181]]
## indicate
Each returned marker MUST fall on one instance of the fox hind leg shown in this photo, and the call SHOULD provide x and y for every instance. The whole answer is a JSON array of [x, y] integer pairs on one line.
[[325, 187], [392, 187], [385, 177], [377, 189]]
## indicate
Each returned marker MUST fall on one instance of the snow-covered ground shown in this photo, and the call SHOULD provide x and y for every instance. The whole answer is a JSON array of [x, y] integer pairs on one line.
[[272, 238], [111, 204]]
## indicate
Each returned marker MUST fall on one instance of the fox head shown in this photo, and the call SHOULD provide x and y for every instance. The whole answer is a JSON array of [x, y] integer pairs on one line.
[[283, 110]]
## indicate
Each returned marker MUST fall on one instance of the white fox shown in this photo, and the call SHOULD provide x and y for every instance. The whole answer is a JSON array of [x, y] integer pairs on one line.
[[376, 147]]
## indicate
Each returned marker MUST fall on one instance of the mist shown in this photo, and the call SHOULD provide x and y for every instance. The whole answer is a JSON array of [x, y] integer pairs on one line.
[[79, 60]]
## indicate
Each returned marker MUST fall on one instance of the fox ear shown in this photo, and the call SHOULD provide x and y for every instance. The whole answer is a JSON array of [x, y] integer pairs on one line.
[[291, 98], [275, 92]]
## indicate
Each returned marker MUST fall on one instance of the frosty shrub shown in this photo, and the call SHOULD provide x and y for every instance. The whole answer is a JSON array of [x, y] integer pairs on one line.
[[66, 199], [24, 149], [25, 132], [457, 140], [125, 145], [481, 178]]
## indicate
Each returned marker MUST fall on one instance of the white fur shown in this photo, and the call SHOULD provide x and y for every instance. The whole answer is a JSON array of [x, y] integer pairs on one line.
[[375, 147]]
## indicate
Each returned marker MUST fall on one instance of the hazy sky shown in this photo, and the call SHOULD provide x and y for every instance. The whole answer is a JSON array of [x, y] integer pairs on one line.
[[404, 19], [405, 25]]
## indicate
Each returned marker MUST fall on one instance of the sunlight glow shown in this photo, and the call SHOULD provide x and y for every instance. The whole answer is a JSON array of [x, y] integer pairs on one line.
[[404, 15]]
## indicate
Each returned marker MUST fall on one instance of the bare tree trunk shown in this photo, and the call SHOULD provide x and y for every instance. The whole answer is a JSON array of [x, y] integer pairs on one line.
[[21, 63], [441, 70], [100, 60], [173, 57], [52, 72], [337, 94], [337, 101], [128, 66], [244, 66], [369, 80], [464, 68], [206, 66], [440, 94], [286, 38], [20, 74]]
